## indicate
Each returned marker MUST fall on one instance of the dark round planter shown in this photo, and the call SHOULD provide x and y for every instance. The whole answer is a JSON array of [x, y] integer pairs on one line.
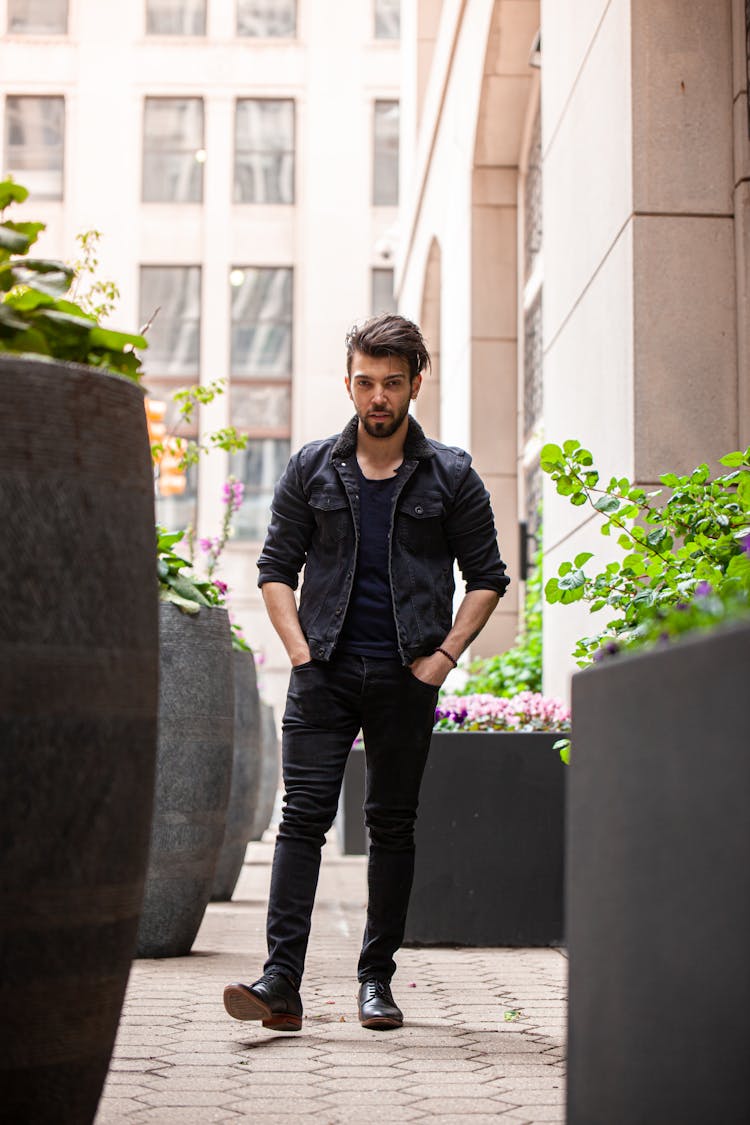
[[243, 792], [193, 772], [269, 771], [78, 711]]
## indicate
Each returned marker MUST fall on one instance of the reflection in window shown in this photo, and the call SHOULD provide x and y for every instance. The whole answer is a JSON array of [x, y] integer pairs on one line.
[[259, 466], [176, 17], [264, 151], [385, 153], [274, 19], [382, 297], [387, 19], [179, 511], [35, 144], [38, 17], [263, 408], [261, 322], [173, 153], [174, 335]]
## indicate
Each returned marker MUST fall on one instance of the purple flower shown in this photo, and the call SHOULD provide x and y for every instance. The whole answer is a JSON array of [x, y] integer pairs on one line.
[[745, 541], [221, 587], [226, 492], [205, 545], [703, 589], [238, 490]]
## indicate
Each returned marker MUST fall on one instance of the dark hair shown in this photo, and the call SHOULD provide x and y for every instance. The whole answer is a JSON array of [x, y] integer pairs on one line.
[[389, 334]]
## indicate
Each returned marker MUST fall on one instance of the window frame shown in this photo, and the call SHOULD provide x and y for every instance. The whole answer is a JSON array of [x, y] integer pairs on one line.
[[145, 151], [7, 145], [283, 152]]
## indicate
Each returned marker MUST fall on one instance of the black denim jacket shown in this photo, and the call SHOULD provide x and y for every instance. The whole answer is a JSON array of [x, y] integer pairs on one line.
[[441, 512]]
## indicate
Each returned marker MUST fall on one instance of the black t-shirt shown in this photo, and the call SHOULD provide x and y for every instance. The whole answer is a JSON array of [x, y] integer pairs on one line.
[[369, 628]]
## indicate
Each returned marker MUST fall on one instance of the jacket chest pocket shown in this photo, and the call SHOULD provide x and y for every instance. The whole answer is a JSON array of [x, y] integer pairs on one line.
[[331, 511], [419, 525]]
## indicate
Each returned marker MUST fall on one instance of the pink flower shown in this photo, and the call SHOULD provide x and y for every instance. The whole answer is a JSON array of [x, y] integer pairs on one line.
[[205, 545], [221, 587]]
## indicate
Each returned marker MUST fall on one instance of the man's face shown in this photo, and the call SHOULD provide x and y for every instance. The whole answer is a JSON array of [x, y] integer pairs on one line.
[[381, 392]]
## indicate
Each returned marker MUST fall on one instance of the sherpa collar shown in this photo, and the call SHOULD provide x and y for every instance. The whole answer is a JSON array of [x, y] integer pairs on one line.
[[416, 446]]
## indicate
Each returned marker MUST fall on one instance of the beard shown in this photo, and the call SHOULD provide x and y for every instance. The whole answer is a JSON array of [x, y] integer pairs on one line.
[[384, 427]]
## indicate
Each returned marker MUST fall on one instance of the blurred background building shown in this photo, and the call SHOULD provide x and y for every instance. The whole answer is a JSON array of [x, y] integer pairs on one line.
[[559, 192]]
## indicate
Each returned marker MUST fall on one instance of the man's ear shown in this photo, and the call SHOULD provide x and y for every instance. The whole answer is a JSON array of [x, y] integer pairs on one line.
[[416, 383], [348, 385]]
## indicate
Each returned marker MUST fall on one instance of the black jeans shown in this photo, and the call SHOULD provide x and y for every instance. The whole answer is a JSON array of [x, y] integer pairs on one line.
[[327, 704]]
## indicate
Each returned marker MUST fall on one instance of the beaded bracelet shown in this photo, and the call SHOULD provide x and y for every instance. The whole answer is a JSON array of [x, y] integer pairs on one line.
[[446, 653]]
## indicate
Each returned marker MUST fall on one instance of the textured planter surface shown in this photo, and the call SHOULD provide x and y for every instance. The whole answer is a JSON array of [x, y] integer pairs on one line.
[[269, 771], [194, 768], [78, 707], [658, 896], [490, 841], [350, 820], [243, 792]]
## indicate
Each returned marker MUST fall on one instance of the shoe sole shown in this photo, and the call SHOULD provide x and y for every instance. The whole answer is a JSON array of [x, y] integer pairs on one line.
[[381, 1023], [242, 1004]]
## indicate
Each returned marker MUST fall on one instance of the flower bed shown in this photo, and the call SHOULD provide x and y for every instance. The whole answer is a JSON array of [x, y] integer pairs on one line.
[[527, 711]]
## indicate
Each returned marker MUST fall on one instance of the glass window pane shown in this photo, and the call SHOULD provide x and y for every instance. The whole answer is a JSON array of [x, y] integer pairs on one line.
[[38, 17], [179, 512], [267, 18], [176, 17], [256, 407], [264, 151], [387, 19], [174, 336], [262, 322], [259, 467], [383, 299], [385, 155], [173, 151], [35, 144]]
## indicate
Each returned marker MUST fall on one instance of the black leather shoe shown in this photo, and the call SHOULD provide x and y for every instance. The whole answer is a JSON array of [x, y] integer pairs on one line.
[[273, 1000], [377, 1008]]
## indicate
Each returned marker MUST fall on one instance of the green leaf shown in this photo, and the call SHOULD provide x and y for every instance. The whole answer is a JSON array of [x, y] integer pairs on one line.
[[583, 558], [670, 480], [570, 446], [187, 588], [11, 320], [607, 504], [657, 537], [167, 539], [552, 591], [551, 453], [13, 240], [115, 341], [563, 745], [167, 594], [48, 277], [578, 499], [564, 568], [732, 460], [743, 491], [572, 579], [583, 457], [11, 192]]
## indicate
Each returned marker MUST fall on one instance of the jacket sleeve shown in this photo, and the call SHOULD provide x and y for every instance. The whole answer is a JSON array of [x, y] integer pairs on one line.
[[289, 532], [470, 529]]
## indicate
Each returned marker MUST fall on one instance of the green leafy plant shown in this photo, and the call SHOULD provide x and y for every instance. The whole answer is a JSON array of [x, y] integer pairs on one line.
[[37, 317], [520, 668], [188, 450], [176, 584], [686, 558]]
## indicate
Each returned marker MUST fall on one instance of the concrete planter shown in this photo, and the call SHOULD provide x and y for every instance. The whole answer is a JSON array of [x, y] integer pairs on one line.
[[244, 788], [194, 768], [490, 841], [78, 711], [269, 771], [658, 899]]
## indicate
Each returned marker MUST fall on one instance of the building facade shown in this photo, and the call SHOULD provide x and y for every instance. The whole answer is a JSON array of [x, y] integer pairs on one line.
[[576, 232], [241, 161]]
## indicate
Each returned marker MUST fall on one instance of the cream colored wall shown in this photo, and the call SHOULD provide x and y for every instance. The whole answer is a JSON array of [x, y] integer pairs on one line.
[[332, 236], [640, 303]]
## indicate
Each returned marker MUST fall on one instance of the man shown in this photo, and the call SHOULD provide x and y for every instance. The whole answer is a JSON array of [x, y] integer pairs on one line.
[[377, 515]]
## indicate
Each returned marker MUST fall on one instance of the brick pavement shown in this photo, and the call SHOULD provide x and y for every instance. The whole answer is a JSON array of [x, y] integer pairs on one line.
[[483, 1037]]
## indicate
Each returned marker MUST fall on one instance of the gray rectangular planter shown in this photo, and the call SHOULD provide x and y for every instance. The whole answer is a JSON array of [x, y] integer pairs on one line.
[[489, 836], [490, 842], [658, 891]]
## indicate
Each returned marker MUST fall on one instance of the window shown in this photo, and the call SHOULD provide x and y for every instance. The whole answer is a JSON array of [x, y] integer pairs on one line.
[[259, 466], [38, 17], [267, 19], [262, 322], [261, 387], [173, 153], [387, 19], [385, 153], [264, 151], [171, 297], [176, 17], [382, 298], [35, 143]]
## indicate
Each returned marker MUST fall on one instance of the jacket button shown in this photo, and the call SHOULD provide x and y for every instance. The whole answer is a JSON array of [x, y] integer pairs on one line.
[[338, 612], [419, 509]]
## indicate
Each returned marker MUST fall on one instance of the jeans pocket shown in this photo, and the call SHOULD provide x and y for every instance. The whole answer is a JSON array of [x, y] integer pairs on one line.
[[302, 667]]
